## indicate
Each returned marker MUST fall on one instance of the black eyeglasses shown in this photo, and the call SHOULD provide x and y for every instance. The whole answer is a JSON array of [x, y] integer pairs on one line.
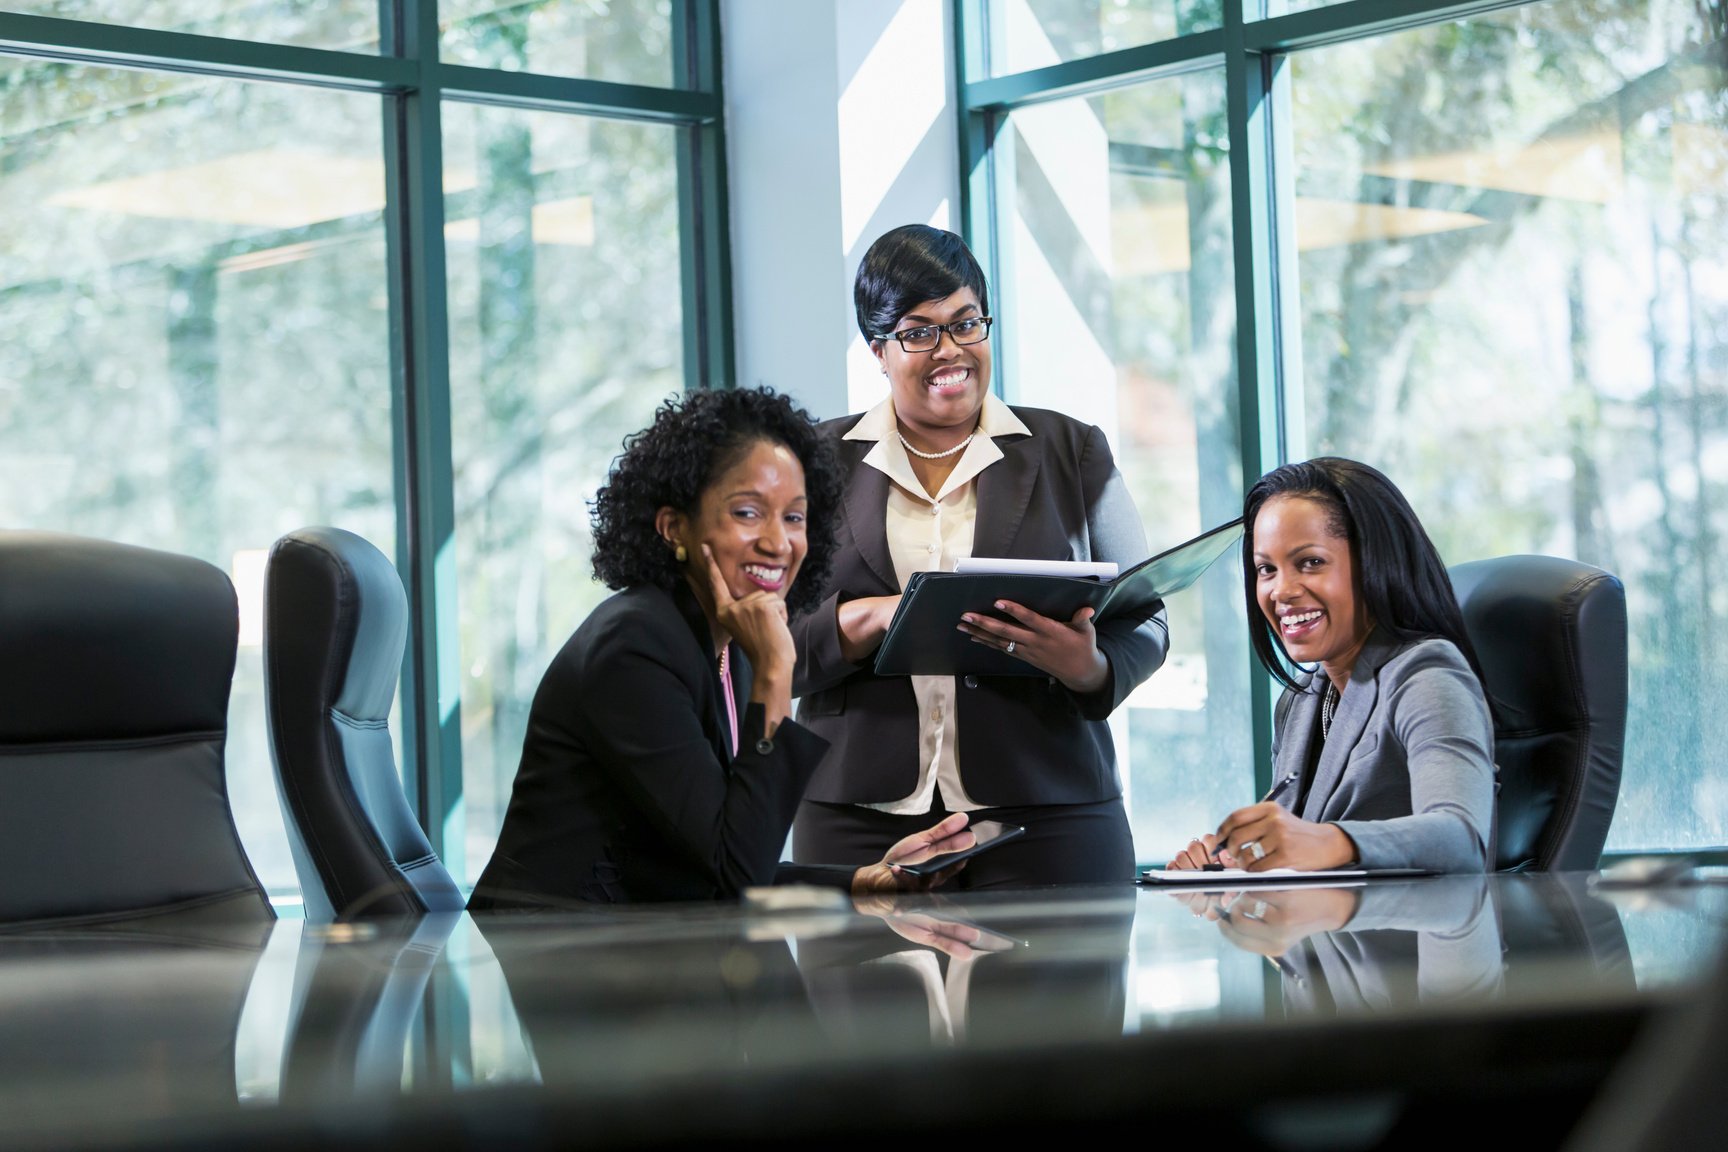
[[925, 338]]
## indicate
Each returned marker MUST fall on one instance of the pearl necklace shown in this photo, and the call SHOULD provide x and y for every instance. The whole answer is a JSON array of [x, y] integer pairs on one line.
[[1327, 703], [907, 444]]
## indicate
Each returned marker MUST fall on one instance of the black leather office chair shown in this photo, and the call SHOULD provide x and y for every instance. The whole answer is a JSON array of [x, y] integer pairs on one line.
[[118, 662], [335, 622], [1551, 636]]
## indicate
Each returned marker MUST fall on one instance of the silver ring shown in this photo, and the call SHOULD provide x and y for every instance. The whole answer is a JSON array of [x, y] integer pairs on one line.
[[1254, 849], [1010, 648]]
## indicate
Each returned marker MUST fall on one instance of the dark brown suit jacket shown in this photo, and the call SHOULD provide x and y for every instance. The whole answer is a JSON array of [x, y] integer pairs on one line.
[[1056, 495]]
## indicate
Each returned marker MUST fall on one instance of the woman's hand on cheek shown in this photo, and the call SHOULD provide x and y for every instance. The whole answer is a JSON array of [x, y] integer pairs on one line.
[[756, 621]]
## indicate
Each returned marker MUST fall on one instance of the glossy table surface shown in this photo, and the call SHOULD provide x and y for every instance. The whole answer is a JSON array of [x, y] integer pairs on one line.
[[800, 1017]]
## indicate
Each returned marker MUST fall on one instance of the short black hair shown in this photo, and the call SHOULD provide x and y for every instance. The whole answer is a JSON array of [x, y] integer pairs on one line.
[[1400, 579], [693, 439], [907, 266]]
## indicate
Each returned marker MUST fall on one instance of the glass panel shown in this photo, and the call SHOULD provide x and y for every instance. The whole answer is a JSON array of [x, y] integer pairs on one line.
[[1512, 296], [1266, 9], [192, 300], [1118, 305], [1026, 34], [345, 25], [626, 41], [565, 335]]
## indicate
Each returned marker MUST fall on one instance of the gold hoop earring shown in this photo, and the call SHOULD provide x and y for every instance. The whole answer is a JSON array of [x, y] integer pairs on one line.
[[679, 554]]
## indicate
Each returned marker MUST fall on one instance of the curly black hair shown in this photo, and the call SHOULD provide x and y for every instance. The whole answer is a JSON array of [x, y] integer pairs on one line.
[[694, 438], [1400, 579]]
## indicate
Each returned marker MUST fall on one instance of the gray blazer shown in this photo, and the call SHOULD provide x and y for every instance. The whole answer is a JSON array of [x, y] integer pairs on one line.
[[1433, 942], [1055, 495], [1408, 771]]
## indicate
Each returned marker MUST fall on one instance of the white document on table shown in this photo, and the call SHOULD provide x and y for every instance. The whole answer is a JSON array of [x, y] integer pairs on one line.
[[1239, 877]]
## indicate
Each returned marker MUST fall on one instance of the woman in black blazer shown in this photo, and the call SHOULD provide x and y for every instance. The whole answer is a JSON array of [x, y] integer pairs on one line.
[[938, 471], [660, 762]]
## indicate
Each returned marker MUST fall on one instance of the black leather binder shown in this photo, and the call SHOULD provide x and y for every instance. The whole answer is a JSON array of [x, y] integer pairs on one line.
[[924, 637]]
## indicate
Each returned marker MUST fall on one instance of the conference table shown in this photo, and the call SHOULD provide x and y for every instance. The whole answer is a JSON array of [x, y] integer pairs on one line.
[[1314, 1015]]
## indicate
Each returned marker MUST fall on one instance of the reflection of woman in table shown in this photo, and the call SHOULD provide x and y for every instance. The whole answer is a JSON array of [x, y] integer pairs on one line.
[[944, 971], [693, 1003], [1374, 947]]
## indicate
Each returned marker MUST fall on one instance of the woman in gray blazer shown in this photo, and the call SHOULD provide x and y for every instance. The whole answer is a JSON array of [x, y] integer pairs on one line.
[[1383, 752], [940, 470]]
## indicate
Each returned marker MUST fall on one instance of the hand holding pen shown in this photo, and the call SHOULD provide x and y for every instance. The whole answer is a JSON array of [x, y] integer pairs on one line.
[[1266, 835], [1269, 922], [1212, 853], [1250, 848], [1197, 854]]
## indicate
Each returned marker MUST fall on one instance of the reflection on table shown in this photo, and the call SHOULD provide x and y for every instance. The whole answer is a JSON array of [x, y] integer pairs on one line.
[[1367, 948], [660, 1025]]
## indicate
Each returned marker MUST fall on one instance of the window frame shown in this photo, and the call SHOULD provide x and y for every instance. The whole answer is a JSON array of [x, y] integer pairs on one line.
[[414, 86], [1253, 48]]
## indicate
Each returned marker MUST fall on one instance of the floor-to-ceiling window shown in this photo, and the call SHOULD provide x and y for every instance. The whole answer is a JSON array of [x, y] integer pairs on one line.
[[1111, 239], [565, 316], [1476, 245], [405, 268], [1511, 232]]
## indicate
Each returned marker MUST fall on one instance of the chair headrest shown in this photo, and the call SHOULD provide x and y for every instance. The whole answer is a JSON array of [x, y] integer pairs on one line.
[[332, 601], [1551, 635], [111, 641]]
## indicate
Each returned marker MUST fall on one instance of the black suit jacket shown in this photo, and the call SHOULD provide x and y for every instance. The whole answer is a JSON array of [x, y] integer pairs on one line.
[[628, 789], [1055, 495]]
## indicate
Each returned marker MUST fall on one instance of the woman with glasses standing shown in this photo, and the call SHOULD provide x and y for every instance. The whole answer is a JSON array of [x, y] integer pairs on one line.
[[940, 470]]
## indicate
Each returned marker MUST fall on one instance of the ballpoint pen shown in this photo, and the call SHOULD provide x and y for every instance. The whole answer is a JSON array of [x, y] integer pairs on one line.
[[1285, 968], [1279, 785], [1272, 793]]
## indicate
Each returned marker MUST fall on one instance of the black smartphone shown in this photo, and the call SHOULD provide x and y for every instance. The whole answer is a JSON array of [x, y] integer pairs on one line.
[[989, 833]]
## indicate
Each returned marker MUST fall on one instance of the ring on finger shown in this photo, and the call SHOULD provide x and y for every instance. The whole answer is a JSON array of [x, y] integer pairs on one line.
[[1253, 849], [1010, 648]]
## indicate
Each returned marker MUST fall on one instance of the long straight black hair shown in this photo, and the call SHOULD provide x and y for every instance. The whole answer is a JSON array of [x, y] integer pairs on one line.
[[1400, 579]]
